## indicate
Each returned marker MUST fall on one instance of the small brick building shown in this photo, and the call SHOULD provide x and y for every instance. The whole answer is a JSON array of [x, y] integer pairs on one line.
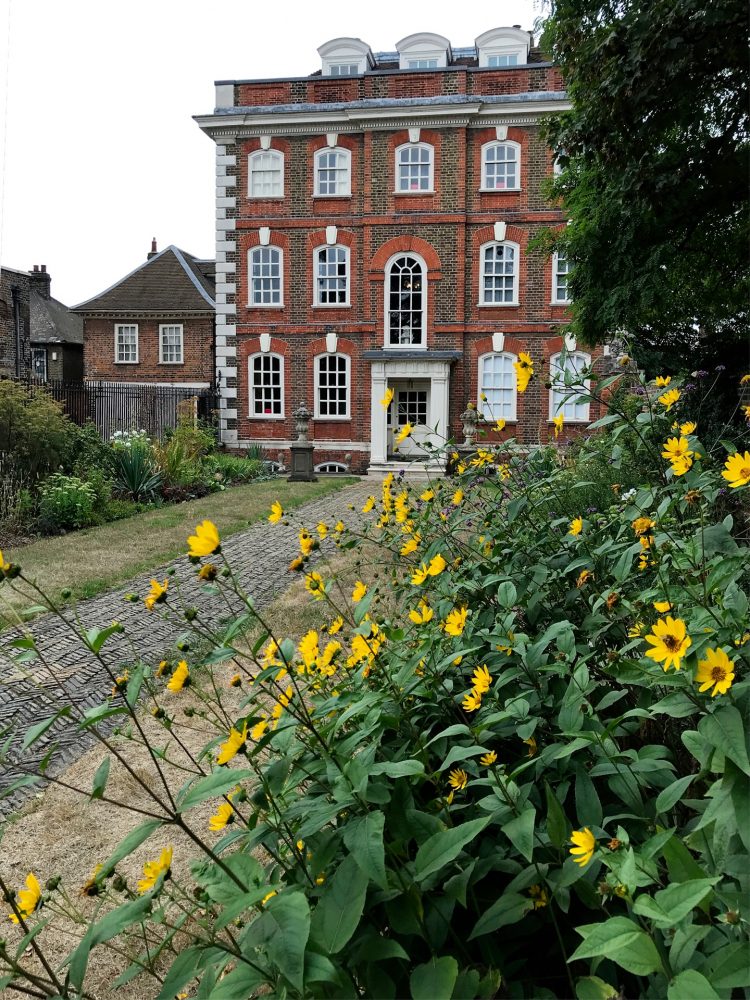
[[374, 222], [155, 326]]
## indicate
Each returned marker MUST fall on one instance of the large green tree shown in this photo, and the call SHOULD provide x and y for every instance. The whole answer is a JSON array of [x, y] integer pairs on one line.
[[655, 172]]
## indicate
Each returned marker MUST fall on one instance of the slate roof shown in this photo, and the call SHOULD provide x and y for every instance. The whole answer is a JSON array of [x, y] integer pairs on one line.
[[172, 281], [51, 322]]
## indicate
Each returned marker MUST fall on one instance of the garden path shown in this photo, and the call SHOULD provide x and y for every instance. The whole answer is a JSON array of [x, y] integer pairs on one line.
[[259, 556]]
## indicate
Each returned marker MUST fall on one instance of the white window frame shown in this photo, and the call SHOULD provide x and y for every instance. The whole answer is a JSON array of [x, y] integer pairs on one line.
[[250, 279], [346, 169], [423, 62], [503, 42], [506, 144], [493, 58], [573, 412], [516, 271], [259, 155], [350, 68], [387, 312], [171, 326], [423, 45], [251, 386], [340, 470], [348, 371], [118, 328], [430, 168], [556, 300], [317, 303], [345, 52], [485, 407]]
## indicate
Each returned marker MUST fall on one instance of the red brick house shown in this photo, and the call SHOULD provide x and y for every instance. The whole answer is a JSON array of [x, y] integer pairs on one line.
[[155, 326], [373, 230]]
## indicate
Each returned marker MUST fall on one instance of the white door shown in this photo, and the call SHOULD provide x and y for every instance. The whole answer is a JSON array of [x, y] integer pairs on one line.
[[411, 404]]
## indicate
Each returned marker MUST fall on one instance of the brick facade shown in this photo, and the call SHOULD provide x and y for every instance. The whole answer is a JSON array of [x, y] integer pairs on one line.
[[99, 350], [464, 108]]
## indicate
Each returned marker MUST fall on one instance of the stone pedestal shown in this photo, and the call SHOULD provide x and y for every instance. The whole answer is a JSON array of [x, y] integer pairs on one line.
[[302, 468]]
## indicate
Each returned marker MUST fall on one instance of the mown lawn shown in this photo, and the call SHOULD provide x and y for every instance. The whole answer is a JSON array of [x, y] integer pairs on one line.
[[95, 559]]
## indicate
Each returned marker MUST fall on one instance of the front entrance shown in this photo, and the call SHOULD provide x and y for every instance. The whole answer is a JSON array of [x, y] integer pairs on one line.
[[411, 405]]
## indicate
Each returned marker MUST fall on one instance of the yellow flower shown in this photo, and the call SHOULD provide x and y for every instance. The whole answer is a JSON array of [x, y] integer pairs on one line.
[[540, 896], [745, 380], [157, 594], [636, 630], [583, 576], [576, 526], [268, 895], [472, 701], [677, 448], [422, 614], [308, 648], [322, 530], [411, 545], [488, 758], [457, 497], [232, 745], [420, 574], [339, 527], [737, 470], [689, 427], [360, 589], [223, 815], [386, 401], [584, 846], [205, 541], [437, 565], [207, 572], [153, 869], [236, 681], [681, 465], [499, 425], [28, 898], [162, 668], [427, 495], [669, 398], [716, 669], [524, 370], [663, 380], [745, 410], [531, 744], [315, 585], [179, 678], [662, 607], [642, 525], [482, 680], [325, 660], [4, 565], [642, 561], [369, 504], [455, 623], [670, 641], [306, 542], [335, 625], [404, 433], [258, 729], [458, 779], [558, 421], [277, 512]]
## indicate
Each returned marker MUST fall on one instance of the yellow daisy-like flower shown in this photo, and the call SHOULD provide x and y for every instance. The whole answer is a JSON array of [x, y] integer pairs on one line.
[[717, 670], [737, 470], [472, 701], [208, 572], [386, 401], [670, 642], [663, 606], [669, 398], [681, 465], [584, 845], [369, 504], [223, 815], [458, 779], [558, 422], [745, 410], [455, 623], [28, 898], [499, 425], [663, 381], [427, 495], [335, 625], [339, 527], [153, 869], [308, 648], [437, 565], [422, 614], [583, 576], [404, 433], [531, 744], [236, 681], [576, 526], [315, 585], [540, 896], [258, 729], [179, 678], [411, 545], [420, 574], [677, 448], [277, 512], [482, 680], [689, 427], [322, 530], [205, 541], [232, 745], [306, 542], [745, 380], [642, 525], [457, 497], [360, 589], [636, 630], [157, 594], [524, 370], [488, 758]]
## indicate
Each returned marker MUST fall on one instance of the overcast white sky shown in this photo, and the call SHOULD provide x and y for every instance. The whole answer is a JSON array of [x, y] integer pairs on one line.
[[98, 149]]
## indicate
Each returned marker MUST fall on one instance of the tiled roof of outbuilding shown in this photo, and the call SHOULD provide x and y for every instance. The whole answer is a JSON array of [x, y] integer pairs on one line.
[[51, 322]]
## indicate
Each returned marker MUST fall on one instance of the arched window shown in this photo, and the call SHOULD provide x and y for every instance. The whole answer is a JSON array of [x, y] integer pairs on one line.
[[265, 174], [331, 276], [332, 386], [333, 173], [406, 295], [414, 167], [498, 280], [332, 468], [573, 408], [560, 277], [266, 383], [265, 274], [501, 166], [497, 384]]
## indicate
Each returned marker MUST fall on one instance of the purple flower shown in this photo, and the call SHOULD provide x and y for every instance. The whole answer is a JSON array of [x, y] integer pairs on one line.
[[700, 374], [720, 368]]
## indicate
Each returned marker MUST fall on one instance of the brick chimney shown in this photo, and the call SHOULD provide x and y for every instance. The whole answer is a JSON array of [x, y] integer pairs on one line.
[[40, 281], [153, 251]]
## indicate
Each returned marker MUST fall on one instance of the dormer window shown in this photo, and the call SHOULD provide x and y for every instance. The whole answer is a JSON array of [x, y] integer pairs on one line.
[[501, 47], [423, 50], [346, 57]]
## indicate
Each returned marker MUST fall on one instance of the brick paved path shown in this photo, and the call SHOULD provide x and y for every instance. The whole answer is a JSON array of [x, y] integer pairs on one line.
[[259, 556]]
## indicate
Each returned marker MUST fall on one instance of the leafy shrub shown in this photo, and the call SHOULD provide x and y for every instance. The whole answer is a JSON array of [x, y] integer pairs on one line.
[[136, 473], [116, 509], [65, 502], [196, 439], [35, 434], [235, 468], [89, 452]]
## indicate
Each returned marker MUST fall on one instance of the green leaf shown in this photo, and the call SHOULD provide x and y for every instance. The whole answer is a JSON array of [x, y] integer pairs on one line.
[[241, 982], [588, 806], [670, 905], [435, 979], [212, 786], [725, 730], [129, 844], [96, 637], [509, 909], [34, 732], [110, 926], [557, 824], [520, 832], [506, 595], [339, 911], [622, 941], [729, 968], [594, 988], [441, 848], [459, 729], [99, 713], [691, 985], [398, 768], [673, 793], [364, 839], [100, 779], [181, 971], [288, 918], [462, 753]]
